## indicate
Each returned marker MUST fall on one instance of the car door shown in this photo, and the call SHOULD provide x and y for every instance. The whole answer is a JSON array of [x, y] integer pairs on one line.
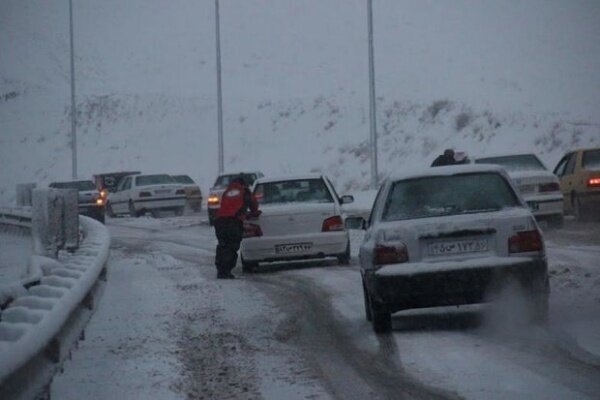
[[120, 202], [565, 171]]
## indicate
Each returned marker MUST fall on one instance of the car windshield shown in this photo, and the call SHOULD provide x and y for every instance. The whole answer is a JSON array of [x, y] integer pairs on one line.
[[145, 180], [79, 185], [525, 162], [224, 180], [293, 191], [448, 195], [591, 159], [183, 179]]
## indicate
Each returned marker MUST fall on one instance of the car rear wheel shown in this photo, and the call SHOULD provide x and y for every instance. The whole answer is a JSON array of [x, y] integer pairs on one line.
[[109, 210], [382, 321], [368, 314], [577, 210], [344, 258], [132, 210], [249, 267]]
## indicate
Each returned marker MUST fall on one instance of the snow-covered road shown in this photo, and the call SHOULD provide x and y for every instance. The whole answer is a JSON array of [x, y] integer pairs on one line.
[[167, 329]]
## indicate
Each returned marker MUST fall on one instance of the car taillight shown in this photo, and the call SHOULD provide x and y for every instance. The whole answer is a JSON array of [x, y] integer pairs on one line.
[[252, 230], [145, 194], [333, 224], [594, 182], [525, 241], [180, 191], [390, 254], [549, 187], [213, 199]]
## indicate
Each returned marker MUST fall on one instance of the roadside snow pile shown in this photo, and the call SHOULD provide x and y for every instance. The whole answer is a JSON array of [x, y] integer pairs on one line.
[[32, 320]]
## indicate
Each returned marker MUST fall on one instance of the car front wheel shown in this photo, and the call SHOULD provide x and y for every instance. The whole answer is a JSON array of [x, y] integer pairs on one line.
[[132, 210]]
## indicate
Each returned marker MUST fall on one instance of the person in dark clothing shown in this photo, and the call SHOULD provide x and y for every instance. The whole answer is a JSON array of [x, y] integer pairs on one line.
[[444, 159], [236, 203]]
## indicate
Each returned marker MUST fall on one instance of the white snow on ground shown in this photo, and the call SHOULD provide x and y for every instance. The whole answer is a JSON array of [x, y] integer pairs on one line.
[[166, 329], [15, 250]]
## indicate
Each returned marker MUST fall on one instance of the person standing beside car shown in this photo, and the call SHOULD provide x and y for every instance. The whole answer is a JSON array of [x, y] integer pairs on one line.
[[236, 203], [444, 159]]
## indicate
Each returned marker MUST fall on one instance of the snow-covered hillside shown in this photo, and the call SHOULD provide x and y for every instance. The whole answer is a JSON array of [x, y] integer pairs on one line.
[[486, 77]]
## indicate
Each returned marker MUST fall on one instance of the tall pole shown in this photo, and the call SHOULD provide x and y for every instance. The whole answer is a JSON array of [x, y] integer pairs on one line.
[[219, 95], [372, 105], [73, 110]]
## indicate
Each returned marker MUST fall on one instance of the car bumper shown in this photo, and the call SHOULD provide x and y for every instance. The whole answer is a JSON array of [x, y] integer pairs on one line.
[[456, 283], [545, 205], [321, 245], [153, 204]]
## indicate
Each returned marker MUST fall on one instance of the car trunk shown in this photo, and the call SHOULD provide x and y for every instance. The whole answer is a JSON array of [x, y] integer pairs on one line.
[[294, 219], [164, 190], [462, 237]]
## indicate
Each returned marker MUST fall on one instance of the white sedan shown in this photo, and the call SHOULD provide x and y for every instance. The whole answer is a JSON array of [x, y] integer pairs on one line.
[[301, 219], [539, 187], [138, 194], [449, 236]]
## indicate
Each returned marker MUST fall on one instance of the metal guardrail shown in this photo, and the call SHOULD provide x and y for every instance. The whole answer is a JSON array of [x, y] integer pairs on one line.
[[39, 327]]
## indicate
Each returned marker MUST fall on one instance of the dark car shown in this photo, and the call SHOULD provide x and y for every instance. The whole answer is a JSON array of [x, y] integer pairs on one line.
[[91, 202]]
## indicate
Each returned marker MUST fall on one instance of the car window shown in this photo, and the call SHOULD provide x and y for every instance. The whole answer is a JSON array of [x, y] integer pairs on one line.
[[570, 168], [293, 191], [121, 185], [448, 195], [523, 162], [146, 180], [183, 179], [591, 159], [560, 167], [333, 189], [79, 185], [127, 184], [375, 204]]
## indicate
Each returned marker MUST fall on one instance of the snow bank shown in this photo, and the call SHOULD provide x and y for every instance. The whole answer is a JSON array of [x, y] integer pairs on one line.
[[34, 319]]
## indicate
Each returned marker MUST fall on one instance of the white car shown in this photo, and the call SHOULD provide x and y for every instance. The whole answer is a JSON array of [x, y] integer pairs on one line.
[[138, 194], [539, 187], [301, 219], [448, 236]]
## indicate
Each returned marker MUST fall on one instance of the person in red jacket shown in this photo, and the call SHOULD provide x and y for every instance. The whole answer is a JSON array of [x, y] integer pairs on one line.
[[236, 203]]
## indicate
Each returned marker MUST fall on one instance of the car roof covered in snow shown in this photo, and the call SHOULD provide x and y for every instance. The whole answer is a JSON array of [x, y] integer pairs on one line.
[[447, 171], [289, 178], [496, 155]]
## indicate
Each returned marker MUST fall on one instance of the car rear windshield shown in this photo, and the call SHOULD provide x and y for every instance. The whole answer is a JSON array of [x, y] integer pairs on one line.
[[591, 159], [448, 195], [183, 179], [224, 180], [146, 180], [79, 185], [526, 162], [293, 191]]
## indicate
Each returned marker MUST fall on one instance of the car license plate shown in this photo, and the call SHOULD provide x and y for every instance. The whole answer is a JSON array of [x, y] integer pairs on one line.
[[292, 248], [162, 191], [458, 247]]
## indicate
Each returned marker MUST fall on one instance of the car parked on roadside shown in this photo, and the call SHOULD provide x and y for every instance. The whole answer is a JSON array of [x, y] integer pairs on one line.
[[447, 236], [90, 201], [579, 174], [138, 194], [301, 219], [193, 193], [539, 187], [213, 201]]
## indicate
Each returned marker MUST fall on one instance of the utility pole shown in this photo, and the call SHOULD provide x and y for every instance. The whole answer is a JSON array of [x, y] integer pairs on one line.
[[219, 94], [372, 105], [73, 110]]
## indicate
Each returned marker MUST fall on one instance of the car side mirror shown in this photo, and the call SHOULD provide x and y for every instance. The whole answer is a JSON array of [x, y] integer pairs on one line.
[[355, 223], [347, 199]]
